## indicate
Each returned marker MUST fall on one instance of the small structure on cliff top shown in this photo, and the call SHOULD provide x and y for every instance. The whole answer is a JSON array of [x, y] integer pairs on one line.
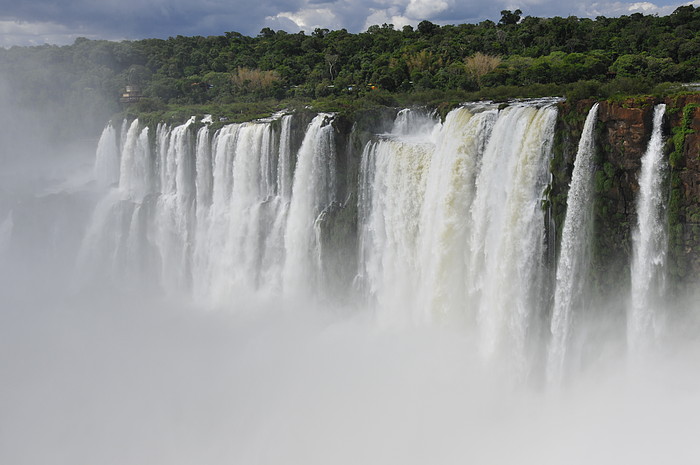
[[131, 94]]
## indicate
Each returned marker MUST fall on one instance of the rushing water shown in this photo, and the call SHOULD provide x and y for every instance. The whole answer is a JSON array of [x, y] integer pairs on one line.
[[452, 223], [314, 189], [650, 242], [573, 259]]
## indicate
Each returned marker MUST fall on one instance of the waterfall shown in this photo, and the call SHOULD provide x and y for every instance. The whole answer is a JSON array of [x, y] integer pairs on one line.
[[210, 280], [107, 157], [135, 171], [414, 122], [314, 188], [649, 242], [572, 265], [204, 188], [274, 252], [507, 240], [391, 209], [235, 221], [452, 224], [195, 211], [204, 181], [285, 168], [450, 189], [174, 215], [450, 218]]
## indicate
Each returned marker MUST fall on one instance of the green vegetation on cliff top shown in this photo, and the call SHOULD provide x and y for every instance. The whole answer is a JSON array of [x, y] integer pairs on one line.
[[240, 77]]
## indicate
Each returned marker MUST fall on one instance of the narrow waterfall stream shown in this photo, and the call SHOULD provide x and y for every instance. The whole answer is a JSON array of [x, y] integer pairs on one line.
[[650, 242], [573, 258]]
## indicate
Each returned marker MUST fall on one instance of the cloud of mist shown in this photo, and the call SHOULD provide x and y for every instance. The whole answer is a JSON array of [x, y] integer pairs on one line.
[[141, 382], [45, 197]]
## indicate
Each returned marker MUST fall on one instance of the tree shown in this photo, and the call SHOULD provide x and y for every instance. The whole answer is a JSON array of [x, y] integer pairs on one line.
[[422, 61], [510, 17], [331, 59], [479, 64], [266, 32], [427, 28], [246, 80]]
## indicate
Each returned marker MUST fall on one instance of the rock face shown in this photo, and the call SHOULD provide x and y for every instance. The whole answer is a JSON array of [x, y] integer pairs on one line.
[[684, 197], [338, 222], [623, 133], [624, 130]]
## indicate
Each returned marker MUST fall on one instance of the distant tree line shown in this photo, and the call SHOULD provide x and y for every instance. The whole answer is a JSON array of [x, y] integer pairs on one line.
[[629, 54]]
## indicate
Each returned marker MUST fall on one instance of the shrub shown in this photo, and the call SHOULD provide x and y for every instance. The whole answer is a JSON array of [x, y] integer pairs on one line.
[[480, 64]]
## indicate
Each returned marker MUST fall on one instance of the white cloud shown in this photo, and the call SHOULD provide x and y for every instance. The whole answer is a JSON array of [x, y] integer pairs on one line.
[[642, 6], [309, 19], [388, 16], [624, 8], [282, 21], [426, 9]]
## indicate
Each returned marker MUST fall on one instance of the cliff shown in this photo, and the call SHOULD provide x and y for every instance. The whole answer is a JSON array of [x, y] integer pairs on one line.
[[622, 136], [338, 223]]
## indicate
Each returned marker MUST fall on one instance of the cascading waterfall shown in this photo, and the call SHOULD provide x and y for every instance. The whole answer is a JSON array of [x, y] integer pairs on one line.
[[285, 166], [507, 241], [204, 188], [453, 225], [395, 173], [210, 212], [107, 157], [172, 230], [110, 250], [450, 188], [314, 189], [273, 256], [450, 219], [211, 270], [135, 172], [247, 202], [650, 242], [573, 258], [414, 122]]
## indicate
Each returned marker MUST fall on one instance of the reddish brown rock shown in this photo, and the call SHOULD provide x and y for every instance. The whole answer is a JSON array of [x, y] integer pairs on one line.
[[622, 135], [626, 130]]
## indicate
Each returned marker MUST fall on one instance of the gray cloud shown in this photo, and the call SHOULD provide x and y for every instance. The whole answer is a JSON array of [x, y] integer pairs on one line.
[[44, 21]]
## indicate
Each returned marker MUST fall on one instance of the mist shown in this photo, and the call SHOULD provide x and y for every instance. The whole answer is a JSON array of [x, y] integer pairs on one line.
[[95, 372], [123, 382]]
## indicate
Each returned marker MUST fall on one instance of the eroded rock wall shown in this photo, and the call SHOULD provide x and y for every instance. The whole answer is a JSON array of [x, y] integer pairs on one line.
[[622, 135]]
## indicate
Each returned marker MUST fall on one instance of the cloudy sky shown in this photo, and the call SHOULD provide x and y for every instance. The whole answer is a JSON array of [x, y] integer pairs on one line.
[[34, 22]]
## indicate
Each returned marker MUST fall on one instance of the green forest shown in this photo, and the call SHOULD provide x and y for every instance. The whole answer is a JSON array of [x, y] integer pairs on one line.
[[515, 56]]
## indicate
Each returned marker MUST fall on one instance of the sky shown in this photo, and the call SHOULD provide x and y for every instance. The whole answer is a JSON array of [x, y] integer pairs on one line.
[[36, 22]]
